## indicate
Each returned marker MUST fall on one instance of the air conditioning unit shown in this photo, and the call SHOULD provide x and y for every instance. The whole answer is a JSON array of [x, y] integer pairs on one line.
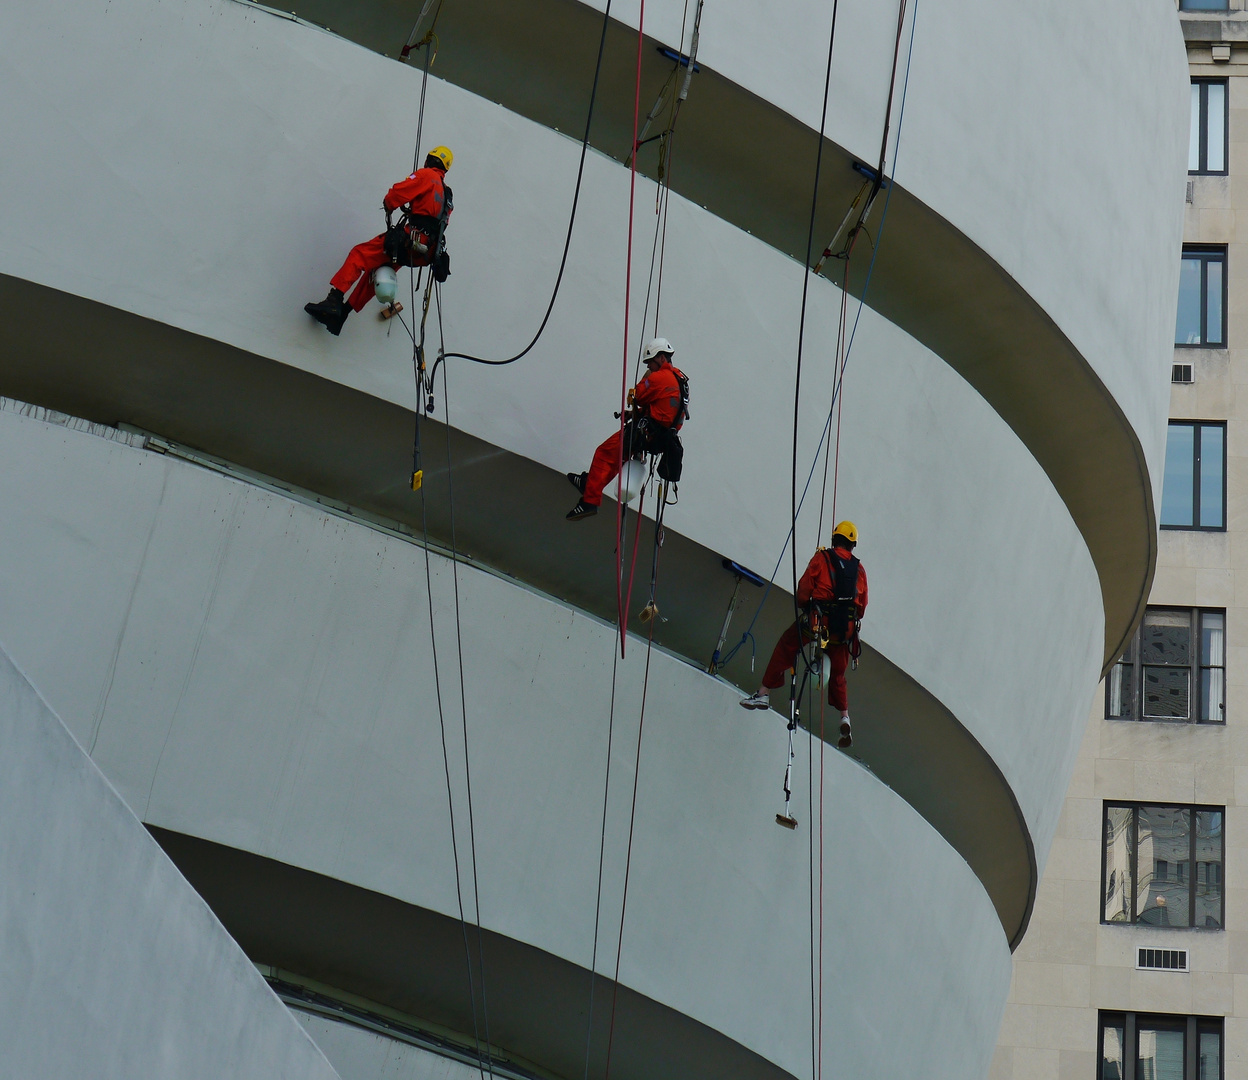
[[1162, 960], [1182, 373]]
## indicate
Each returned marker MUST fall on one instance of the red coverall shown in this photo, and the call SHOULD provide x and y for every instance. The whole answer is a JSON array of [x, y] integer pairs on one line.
[[656, 396], [423, 191], [818, 584]]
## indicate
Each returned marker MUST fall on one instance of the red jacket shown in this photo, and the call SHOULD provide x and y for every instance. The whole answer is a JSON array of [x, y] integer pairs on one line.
[[423, 190], [818, 583], [658, 394]]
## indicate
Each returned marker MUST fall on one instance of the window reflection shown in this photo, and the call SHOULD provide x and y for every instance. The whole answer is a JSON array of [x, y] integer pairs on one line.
[[1165, 652], [1209, 1061], [1163, 857], [1163, 866], [1117, 864], [1112, 1050], [1193, 494], [1208, 869], [1213, 667], [1213, 301], [1211, 457], [1215, 127], [1193, 146], [1187, 325], [1160, 1053], [1176, 491]]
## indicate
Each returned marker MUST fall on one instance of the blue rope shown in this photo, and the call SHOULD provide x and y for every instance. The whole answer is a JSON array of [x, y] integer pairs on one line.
[[901, 117]]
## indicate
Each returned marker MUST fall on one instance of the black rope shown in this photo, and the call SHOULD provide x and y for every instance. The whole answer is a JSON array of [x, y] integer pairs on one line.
[[797, 383], [632, 821], [567, 243], [420, 116], [791, 535], [463, 701], [801, 326], [602, 847], [450, 800]]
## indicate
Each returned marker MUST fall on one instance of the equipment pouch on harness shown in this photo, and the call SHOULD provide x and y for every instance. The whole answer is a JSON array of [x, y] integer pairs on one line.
[[673, 459], [397, 244]]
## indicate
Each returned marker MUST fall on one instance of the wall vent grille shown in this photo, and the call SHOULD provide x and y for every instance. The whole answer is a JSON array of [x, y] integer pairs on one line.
[[1162, 960], [1182, 373]]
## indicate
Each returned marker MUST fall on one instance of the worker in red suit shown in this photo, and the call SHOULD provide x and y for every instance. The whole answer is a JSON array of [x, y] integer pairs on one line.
[[832, 596], [426, 202], [659, 404]]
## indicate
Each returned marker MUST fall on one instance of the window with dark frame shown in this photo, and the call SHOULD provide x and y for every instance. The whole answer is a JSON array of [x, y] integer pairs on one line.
[[1147, 852], [1193, 490], [1204, 5], [1174, 670], [1207, 150], [1153, 1046], [1200, 321]]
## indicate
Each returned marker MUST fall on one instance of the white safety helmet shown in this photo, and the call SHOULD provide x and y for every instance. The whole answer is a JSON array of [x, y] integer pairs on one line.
[[657, 346]]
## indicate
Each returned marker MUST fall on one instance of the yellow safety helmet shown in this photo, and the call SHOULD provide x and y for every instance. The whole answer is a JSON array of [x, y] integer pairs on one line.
[[442, 155], [848, 530]]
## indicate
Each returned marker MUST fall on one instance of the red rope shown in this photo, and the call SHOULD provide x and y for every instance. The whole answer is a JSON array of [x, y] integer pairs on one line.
[[822, 744], [628, 292], [628, 859]]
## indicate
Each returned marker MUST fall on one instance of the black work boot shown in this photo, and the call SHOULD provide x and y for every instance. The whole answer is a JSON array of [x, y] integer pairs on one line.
[[331, 312]]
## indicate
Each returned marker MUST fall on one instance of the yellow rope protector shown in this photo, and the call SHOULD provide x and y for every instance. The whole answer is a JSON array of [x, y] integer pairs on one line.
[[418, 478]]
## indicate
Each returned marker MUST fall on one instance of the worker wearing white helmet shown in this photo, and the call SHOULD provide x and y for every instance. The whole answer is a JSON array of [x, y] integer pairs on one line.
[[658, 405]]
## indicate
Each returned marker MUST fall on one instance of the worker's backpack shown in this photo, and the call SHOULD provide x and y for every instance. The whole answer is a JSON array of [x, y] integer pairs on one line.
[[838, 617], [672, 462], [682, 414]]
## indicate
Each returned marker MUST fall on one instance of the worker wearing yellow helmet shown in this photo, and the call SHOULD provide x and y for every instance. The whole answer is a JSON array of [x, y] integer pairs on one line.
[[418, 239], [832, 598]]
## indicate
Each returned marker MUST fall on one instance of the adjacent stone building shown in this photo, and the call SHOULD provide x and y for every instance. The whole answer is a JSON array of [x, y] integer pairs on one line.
[[1136, 960]]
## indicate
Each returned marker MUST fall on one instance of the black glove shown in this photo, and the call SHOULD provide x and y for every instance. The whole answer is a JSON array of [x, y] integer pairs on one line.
[[441, 266]]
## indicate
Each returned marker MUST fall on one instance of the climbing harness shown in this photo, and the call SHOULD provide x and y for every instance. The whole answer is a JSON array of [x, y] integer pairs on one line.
[[834, 622]]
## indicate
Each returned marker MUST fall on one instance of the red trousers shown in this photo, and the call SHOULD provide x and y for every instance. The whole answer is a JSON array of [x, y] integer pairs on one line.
[[784, 656], [603, 469], [363, 259]]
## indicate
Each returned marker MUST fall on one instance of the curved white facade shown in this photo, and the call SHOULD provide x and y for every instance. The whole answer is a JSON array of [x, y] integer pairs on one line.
[[253, 672]]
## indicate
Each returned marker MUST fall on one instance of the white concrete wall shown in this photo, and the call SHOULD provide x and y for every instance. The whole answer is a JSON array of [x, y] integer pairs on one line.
[[249, 670], [1053, 134], [113, 966], [360, 1054], [218, 193]]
